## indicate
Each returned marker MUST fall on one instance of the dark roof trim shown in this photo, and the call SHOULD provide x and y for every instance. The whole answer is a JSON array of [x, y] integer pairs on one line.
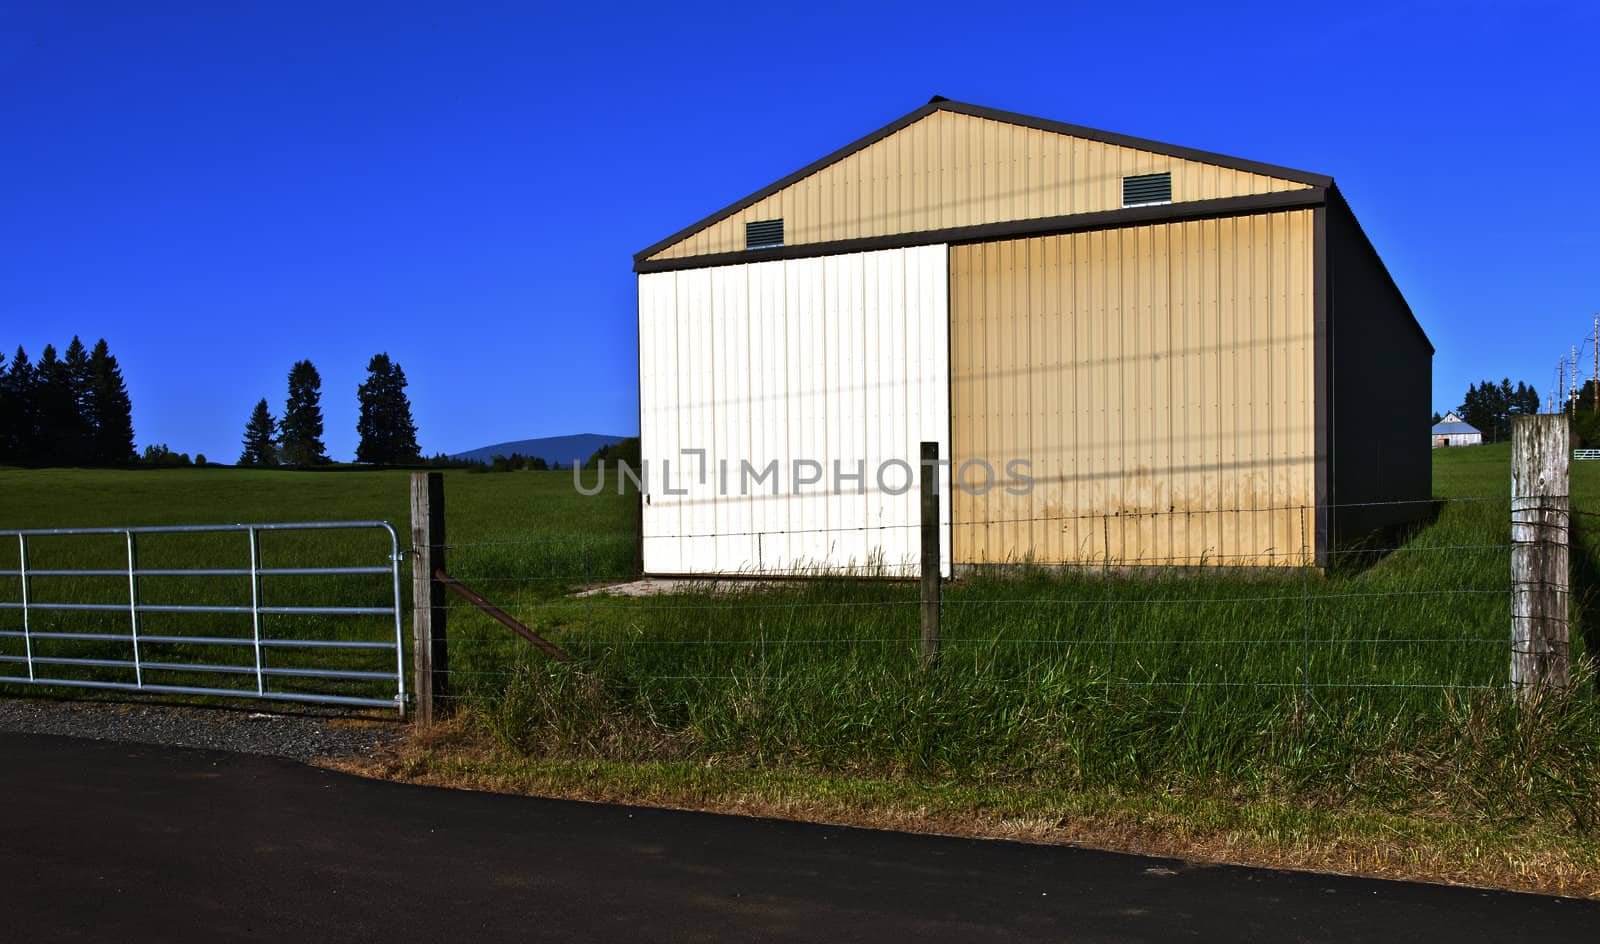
[[1141, 144], [978, 111], [1014, 229], [1335, 198]]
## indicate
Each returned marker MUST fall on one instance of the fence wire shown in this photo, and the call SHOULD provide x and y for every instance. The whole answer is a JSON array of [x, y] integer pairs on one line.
[[1422, 609]]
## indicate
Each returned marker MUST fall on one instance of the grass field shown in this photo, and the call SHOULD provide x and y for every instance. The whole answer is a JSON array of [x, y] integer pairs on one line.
[[1362, 713], [520, 508]]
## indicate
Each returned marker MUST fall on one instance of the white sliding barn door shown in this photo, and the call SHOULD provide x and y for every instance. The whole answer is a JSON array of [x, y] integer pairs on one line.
[[806, 363]]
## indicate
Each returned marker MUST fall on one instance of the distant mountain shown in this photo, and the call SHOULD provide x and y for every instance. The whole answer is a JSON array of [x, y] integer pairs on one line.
[[562, 449]]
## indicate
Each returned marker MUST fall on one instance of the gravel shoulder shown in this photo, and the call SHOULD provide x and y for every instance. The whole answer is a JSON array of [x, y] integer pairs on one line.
[[296, 736]]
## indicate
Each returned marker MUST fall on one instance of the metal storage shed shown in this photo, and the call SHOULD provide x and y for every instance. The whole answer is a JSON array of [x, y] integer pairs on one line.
[[1180, 347]]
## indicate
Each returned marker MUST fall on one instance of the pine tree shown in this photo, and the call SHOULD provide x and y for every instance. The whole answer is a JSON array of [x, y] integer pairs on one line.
[[302, 418], [1489, 406], [260, 438], [7, 416], [78, 437], [1480, 408], [109, 409], [1524, 400], [60, 424], [18, 424], [8, 421], [1470, 410], [388, 433]]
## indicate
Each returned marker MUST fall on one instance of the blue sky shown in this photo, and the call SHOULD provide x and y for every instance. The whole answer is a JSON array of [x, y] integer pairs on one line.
[[222, 189]]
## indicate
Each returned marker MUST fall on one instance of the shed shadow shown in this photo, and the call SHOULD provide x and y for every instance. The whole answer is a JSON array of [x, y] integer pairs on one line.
[[1585, 585], [1377, 540]]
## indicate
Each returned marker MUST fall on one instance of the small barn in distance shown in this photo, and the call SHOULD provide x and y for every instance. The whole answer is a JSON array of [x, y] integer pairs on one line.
[[1200, 359], [1454, 431]]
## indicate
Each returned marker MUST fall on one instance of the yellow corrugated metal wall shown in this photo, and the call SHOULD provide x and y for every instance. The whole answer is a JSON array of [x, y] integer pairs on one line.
[[1158, 378], [950, 169]]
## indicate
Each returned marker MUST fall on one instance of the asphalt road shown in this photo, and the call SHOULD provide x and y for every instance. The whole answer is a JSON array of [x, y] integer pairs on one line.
[[109, 841]]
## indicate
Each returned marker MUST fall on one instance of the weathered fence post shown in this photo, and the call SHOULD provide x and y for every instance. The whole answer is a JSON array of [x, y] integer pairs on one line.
[[1539, 522], [431, 653], [930, 552]]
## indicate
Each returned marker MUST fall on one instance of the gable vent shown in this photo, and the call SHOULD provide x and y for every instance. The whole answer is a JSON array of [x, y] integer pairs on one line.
[[763, 234], [1147, 189]]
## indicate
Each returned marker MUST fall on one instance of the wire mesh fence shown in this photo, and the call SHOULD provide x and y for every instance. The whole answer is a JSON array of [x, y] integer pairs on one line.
[[1421, 608], [1424, 608]]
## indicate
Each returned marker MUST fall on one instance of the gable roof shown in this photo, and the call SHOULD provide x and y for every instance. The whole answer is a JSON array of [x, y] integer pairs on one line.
[[1453, 425], [939, 104]]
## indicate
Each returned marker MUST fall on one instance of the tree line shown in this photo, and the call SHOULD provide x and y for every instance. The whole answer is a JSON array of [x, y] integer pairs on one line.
[[388, 432], [622, 451], [1489, 406], [516, 462], [70, 408]]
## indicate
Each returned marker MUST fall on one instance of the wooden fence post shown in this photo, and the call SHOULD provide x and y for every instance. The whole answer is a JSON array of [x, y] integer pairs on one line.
[[1540, 455], [930, 552], [430, 649]]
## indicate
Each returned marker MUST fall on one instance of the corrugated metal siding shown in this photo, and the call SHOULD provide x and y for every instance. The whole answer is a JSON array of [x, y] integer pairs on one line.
[[950, 170], [1159, 379], [844, 358], [1382, 390]]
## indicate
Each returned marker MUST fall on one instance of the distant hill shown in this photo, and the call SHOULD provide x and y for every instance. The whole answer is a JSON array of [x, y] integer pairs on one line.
[[562, 449]]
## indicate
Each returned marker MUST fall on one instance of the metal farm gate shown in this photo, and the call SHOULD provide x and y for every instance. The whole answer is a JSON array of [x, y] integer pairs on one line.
[[71, 616]]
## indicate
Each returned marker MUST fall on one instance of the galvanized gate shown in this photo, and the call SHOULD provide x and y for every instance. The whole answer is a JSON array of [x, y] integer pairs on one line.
[[334, 651]]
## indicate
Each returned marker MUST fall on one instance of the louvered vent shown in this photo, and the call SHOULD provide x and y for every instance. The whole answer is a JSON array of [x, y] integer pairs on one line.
[[1147, 189], [763, 234]]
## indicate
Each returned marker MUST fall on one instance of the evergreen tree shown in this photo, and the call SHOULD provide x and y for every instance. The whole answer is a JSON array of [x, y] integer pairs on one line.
[[1525, 401], [18, 420], [260, 438], [8, 421], [388, 434], [1481, 408], [76, 360], [1489, 406], [110, 410], [301, 427], [1437, 419], [60, 433], [78, 438]]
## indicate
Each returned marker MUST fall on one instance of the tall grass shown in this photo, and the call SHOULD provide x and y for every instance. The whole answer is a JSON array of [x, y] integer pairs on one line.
[[1379, 685]]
